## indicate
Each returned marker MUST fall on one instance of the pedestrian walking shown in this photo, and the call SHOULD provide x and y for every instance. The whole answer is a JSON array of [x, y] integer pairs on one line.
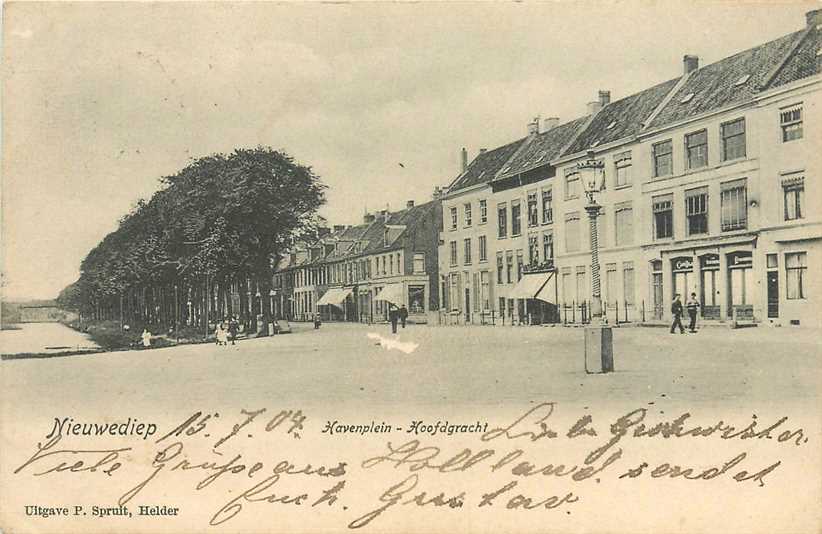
[[317, 321], [676, 311], [220, 337], [692, 305], [146, 335], [403, 314], [233, 328], [393, 315]]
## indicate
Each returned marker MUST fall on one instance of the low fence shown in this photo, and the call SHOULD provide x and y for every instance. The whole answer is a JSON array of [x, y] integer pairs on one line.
[[566, 313]]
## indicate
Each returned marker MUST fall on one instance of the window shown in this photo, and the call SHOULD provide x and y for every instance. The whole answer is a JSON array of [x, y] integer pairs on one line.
[[466, 249], [547, 207], [485, 282], [572, 232], [499, 267], [734, 201], [733, 139], [533, 249], [483, 211], [602, 233], [391, 261], [509, 266], [628, 282], [533, 211], [502, 220], [663, 158], [483, 248], [419, 262], [696, 149], [624, 223], [548, 245], [610, 293], [790, 120], [622, 174], [453, 218], [663, 208], [399, 264], [795, 267], [467, 210], [516, 218], [581, 289], [455, 292], [793, 187], [453, 245], [520, 264], [696, 210], [571, 183]]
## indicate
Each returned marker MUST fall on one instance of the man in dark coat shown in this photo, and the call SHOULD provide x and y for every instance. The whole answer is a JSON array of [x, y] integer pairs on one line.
[[676, 311], [393, 315], [233, 328], [403, 314]]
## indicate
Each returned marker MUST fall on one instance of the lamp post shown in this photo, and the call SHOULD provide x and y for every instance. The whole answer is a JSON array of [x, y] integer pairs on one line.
[[599, 348]]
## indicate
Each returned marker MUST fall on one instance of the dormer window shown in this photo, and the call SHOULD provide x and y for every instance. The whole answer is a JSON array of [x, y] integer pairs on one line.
[[687, 98], [613, 123], [385, 237], [742, 80]]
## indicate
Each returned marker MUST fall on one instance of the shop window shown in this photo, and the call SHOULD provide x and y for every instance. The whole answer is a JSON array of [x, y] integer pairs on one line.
[[416, 299]]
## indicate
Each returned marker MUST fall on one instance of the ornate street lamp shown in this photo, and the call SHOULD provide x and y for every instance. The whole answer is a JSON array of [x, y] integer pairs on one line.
[[599, 352]]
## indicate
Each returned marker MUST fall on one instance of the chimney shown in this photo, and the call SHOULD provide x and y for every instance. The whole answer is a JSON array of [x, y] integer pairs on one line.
[[549, 124], [409, 204], [341, 227], [594, 107], [438, 192], [383, 215], [483, 150], [464, 155], [604, 98], [689, 64], [533, 126], [368, 218], [813, 18]]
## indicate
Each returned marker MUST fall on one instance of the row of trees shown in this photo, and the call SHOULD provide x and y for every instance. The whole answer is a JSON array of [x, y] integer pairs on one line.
[[223, 221]]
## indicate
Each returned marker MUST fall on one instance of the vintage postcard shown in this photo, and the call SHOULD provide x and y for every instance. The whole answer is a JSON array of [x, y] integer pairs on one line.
[[492, 267]]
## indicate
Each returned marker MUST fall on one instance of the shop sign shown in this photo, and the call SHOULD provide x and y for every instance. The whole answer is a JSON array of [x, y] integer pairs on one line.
[[682, 264], [710, 261], [742, 259]]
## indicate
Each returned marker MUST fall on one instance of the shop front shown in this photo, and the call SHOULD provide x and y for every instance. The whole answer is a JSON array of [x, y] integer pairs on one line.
[[709, 290], [740, 283]]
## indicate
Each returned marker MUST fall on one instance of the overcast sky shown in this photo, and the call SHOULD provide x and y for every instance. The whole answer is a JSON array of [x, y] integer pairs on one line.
[[101, 100]]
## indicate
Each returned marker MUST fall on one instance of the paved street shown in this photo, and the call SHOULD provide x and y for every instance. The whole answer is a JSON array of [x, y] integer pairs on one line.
[[460, 366]]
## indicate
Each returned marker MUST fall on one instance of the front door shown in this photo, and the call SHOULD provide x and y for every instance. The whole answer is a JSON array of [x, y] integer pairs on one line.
[[773, 294], [467, 304], [659, 302]]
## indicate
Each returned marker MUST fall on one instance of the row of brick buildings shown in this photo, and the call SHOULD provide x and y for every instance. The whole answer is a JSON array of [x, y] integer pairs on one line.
[[711, 187]]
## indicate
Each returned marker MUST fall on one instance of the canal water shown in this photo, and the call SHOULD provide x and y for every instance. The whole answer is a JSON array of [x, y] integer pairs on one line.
[[43, 338]]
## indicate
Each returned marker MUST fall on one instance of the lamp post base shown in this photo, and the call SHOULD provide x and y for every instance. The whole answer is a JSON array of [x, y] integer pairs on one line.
[[599, 349]]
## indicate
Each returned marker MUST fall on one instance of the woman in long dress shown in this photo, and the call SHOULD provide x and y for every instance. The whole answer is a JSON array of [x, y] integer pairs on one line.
[[146, 338]]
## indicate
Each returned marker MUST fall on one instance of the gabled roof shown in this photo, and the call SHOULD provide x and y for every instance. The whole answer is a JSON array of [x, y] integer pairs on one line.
[[409, 217], [723, 83], [802, 63], [622, 118], [543, 148], [485, 166]]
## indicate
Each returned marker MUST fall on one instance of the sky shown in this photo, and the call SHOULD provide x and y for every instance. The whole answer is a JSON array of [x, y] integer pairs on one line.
[[101, 100]]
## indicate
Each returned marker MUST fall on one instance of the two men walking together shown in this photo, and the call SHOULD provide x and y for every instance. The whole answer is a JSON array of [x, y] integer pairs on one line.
[[676, 310]]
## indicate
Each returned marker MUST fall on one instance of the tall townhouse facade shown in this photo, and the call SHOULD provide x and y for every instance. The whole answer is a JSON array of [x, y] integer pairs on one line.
[[343, 275], [711, 188], [466, 251]]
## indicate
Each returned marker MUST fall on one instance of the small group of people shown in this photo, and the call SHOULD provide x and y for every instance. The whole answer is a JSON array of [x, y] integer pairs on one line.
[[227, 331], [397, 315], [692, 305]]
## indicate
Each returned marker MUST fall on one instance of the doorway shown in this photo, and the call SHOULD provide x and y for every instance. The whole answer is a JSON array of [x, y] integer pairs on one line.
[[467, 304], [773, 294]]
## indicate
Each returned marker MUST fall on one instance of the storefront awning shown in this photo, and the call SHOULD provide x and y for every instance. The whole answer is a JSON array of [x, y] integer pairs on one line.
[[393, 293], [334, 296], [534, 286]]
